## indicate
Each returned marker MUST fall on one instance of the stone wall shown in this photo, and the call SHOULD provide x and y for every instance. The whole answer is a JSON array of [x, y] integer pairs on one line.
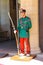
[[5, 23], [0, 15]]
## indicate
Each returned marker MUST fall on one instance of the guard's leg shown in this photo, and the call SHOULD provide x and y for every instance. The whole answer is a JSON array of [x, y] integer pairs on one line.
[[27, 45], [22, 45]]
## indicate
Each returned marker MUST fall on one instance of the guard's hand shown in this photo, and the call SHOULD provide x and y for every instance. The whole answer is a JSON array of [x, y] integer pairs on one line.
[[15, 31]]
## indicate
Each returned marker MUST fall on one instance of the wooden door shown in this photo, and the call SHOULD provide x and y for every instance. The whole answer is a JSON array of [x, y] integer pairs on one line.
[[13, 14]]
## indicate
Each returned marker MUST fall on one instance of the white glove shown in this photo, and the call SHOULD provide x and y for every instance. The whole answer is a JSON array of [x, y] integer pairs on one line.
[[15, 31]]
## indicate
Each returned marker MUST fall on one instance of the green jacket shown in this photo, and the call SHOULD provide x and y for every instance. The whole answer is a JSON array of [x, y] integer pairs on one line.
[[24, 24]]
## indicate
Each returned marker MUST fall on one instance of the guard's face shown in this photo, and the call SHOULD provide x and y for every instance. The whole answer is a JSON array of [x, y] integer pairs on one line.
[[23, 14]]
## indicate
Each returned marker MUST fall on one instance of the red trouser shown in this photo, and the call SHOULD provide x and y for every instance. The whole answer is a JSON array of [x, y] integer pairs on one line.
[[24, 45]]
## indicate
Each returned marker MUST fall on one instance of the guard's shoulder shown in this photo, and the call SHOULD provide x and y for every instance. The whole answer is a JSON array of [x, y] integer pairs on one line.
[[28, 17]]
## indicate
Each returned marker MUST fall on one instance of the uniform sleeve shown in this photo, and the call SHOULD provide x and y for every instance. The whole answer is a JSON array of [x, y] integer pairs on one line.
[[29, 24], [18, 25]]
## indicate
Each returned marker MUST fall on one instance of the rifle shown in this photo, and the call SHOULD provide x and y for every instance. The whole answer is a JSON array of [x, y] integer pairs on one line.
[[14, 33]]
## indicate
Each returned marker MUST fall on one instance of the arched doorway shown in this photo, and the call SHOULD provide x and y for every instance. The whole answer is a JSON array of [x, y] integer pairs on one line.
[[8, 5]]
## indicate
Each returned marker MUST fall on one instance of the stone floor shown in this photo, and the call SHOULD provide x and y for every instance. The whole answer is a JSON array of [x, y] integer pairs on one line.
[[10, 48]]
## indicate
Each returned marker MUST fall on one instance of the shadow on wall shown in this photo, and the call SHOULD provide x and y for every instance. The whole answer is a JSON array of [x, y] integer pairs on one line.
[[3, 35]]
